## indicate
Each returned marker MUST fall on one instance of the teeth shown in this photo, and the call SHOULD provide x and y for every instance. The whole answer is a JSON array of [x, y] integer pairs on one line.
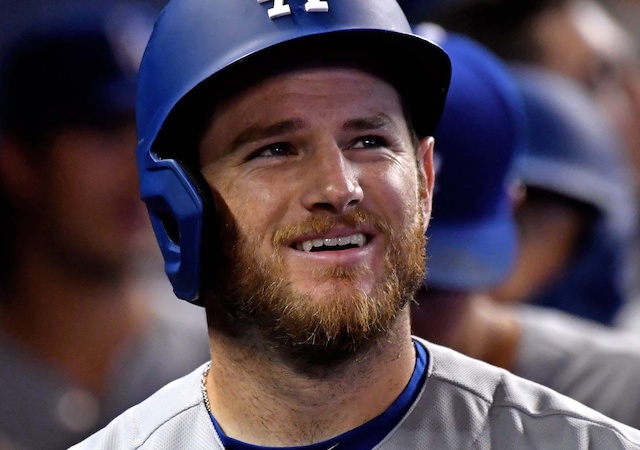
[[355, 239], [331, 242]]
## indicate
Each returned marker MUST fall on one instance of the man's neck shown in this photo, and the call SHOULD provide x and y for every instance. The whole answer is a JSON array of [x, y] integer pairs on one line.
[[258, 400], [74, 324]]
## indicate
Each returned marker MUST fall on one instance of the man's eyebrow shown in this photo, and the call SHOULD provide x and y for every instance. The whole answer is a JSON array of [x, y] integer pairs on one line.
[[376, 121], [258, 132]]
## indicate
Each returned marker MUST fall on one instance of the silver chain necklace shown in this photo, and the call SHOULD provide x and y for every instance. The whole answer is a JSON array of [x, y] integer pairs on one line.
[[203, 387]]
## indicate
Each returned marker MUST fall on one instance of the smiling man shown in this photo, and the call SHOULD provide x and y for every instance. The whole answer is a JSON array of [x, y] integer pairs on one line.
[[286, 159], [292, 157]]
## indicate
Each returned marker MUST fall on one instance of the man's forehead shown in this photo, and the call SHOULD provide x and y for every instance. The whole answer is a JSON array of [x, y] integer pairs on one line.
[[340, 98], [342, 78], [337, 87]]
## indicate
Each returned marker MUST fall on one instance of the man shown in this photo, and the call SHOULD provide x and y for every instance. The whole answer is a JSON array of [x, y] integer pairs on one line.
[[310, 124], [577, 201], [474, 244], [80, 341]]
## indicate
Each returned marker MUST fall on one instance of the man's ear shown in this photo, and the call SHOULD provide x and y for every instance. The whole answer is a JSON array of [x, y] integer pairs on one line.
[[427, 176], [18, 175]]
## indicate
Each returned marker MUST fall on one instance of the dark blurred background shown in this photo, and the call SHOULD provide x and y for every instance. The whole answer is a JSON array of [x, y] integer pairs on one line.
[[16, 14]]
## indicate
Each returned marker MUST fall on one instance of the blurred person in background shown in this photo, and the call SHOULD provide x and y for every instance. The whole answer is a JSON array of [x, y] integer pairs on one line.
[[577, 217], [579, 40], [473, 247], [593, 41], [80, 341]]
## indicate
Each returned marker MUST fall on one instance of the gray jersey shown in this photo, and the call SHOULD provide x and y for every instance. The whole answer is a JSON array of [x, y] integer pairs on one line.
[[596, 365], [464, 404]]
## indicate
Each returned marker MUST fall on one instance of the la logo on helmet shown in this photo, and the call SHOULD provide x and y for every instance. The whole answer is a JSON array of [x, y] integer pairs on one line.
[[280, 8]]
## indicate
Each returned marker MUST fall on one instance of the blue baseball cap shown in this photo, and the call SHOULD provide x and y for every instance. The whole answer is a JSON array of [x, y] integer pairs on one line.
[[202, 51], [472, 238]]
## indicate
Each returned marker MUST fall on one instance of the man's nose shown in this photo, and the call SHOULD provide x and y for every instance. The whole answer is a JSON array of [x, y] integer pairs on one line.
[[332, 182]]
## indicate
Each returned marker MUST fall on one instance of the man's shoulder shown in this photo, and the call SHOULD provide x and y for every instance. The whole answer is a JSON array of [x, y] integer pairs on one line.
[[165, 416], [493, 405]]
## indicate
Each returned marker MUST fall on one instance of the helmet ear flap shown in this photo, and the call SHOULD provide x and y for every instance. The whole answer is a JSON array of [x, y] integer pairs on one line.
[[183, 214]]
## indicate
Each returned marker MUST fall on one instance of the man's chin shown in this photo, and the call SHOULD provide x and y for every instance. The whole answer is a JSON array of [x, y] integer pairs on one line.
[[319, 357], [338, 292], [332, 331]]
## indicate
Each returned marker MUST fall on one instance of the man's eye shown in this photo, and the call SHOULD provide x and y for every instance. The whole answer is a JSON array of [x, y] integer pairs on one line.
[[272, 150], [370, 142]]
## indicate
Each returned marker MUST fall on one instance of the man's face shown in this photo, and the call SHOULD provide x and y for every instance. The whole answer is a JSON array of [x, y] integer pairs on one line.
[[328, 204]]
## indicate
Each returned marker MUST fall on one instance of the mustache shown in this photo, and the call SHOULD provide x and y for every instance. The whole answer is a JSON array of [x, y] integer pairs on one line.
[[323, 222]]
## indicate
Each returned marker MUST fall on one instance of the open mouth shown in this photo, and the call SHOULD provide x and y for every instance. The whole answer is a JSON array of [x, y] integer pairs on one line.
[[332, 244]]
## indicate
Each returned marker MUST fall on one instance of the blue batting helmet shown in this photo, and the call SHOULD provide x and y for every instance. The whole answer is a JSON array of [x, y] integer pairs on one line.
[[201, 49]]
